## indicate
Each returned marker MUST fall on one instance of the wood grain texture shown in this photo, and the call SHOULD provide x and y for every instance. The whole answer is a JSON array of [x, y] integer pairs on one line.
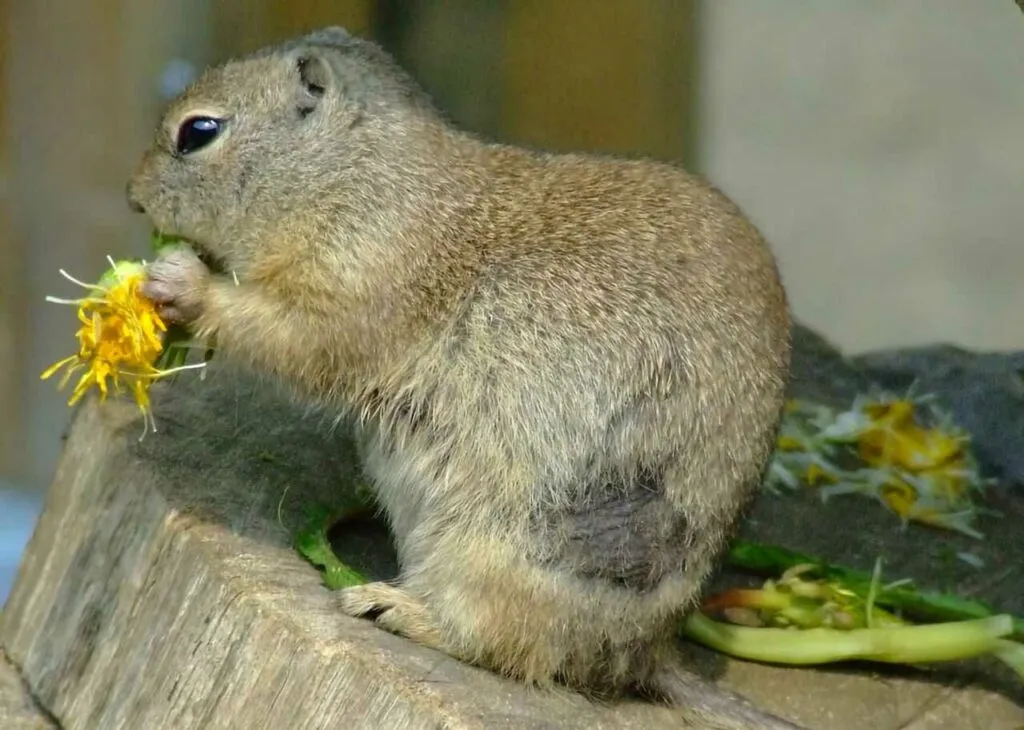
[[18, 711]]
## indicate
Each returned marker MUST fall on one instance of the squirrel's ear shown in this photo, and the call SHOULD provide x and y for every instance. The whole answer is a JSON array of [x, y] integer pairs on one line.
[[314, 74]]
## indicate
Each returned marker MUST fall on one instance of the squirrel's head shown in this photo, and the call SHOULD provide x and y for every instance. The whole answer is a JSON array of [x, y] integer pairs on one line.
[[254, 144]]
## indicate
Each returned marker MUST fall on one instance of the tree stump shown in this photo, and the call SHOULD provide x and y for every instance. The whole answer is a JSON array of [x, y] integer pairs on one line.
[[161, 590], [18, 711]]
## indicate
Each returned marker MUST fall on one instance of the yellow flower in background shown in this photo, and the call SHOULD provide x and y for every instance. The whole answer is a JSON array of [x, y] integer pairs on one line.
[[894, 437], [816, 475], [120, 338], [911, 504], [922, 472], [790, 443]]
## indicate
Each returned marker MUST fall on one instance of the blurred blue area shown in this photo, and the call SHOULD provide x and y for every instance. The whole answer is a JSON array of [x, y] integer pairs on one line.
[[19, 509]]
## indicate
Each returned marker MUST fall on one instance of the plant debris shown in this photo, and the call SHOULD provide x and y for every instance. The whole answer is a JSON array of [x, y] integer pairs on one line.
[[905, 452]]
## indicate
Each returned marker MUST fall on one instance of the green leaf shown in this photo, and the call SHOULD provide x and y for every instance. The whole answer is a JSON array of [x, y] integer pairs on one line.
[[158, 241], [313, 544]]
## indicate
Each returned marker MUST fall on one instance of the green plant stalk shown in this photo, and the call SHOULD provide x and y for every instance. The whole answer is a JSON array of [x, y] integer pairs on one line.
[[925, 606], [158, 241], [904, 645], [1011, 653], [313, 544], [312, 541]]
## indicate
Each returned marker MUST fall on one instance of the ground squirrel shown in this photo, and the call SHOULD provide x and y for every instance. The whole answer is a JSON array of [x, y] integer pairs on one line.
[[567, 370]]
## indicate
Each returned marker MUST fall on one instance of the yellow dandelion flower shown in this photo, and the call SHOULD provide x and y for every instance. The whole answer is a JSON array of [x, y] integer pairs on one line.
[[911, 505], [790, 443], [816, 475], [900, 497], [120, 338], [895, 438], [920, 469]]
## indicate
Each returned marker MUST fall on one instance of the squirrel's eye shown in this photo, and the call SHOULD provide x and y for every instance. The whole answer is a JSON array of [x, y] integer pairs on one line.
[[197, 132]]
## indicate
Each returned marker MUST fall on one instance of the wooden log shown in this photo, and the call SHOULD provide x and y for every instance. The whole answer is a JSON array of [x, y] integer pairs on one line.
[[18, 711]]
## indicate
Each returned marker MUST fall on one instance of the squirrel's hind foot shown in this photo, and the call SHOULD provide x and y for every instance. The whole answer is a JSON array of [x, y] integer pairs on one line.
[[392, 609]]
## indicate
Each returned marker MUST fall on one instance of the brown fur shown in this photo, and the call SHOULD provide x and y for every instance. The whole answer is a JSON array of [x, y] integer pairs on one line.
[[568, 370]]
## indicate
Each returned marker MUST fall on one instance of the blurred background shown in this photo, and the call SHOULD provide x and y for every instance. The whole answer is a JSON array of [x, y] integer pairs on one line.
[[878, 145]]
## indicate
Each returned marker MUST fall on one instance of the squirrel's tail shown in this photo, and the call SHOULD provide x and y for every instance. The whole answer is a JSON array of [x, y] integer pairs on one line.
[[708, 707]]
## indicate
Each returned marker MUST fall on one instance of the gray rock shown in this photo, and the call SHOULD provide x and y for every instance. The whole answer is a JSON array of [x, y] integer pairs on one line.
[[821, 373], [984, 391]]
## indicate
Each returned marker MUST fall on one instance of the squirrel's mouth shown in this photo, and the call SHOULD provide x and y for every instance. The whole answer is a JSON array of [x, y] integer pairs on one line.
[[213, 262]]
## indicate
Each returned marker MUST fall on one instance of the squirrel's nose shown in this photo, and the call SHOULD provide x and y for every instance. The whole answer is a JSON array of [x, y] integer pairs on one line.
[[133, 202]]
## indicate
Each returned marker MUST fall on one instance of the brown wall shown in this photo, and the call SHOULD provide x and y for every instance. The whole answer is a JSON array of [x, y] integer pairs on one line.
[[239, 26], [614, 76], [611, 76], [11, 273], [13, 313]]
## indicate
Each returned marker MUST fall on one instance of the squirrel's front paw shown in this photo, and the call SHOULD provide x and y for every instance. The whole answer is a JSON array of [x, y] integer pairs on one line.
[[176, 282]]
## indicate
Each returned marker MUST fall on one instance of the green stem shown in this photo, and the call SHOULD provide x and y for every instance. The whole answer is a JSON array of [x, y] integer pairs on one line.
[[1012, 654], [904, 645], [313, 544], [924, 606]]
